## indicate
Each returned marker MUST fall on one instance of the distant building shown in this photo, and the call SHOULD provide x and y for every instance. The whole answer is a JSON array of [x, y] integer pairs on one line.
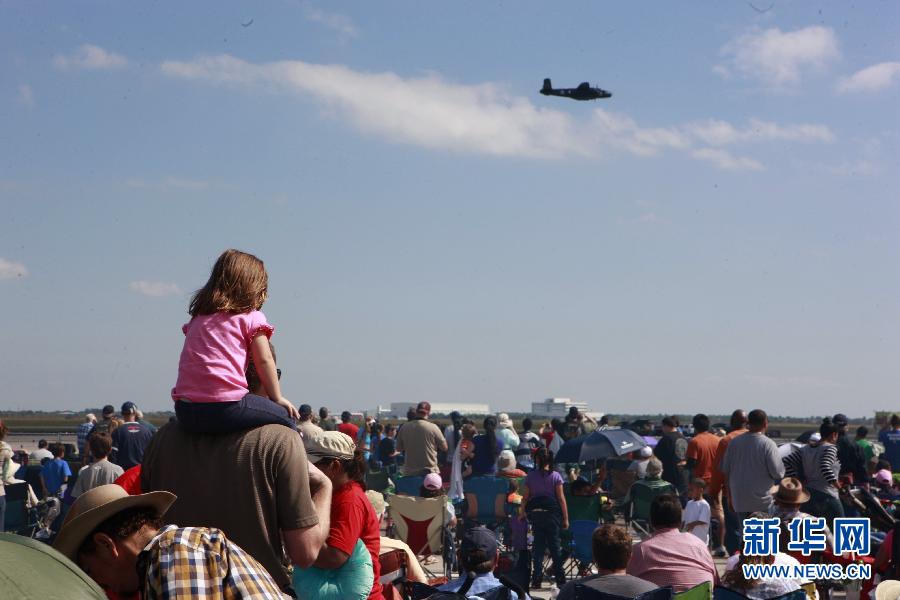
[[553, 408], [398, 410]]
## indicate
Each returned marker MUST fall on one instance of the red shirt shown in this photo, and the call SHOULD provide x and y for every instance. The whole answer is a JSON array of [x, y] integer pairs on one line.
[[718, 478], [131, 480], [352, 519], [702, 448], [348, 429]]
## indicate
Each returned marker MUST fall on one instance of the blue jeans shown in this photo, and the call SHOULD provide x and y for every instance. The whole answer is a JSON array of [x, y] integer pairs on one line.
[[824, 505], [546, 526], [226, 417]]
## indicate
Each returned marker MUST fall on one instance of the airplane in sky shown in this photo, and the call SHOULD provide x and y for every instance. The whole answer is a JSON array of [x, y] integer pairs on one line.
[[583, 92]]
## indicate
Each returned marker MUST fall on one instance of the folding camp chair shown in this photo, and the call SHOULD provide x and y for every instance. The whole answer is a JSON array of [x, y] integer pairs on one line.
[[378, 481], [579, 557], [585, 508], [16, 507], [721, 593], [393, 574], [583, 592], [420, 523], [641, 496], [486, 501], [409, 485], [701, 591]]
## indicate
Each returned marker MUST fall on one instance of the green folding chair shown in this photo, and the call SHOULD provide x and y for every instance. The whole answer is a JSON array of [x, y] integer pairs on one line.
[[641, 496], [702, 591]]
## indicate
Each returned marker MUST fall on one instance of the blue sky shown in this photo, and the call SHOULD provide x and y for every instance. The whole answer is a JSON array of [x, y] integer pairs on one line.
[[720, 233]]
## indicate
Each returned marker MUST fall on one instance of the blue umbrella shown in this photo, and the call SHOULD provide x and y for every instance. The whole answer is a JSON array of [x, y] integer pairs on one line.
[[606, 443]]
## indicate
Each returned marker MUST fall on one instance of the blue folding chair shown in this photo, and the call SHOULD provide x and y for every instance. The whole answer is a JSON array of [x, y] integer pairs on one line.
[[580, 556], [486, 500], [409, 485]]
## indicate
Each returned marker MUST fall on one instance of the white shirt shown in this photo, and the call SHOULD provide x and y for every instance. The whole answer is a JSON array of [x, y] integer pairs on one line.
[[40, 454], [698, 510]]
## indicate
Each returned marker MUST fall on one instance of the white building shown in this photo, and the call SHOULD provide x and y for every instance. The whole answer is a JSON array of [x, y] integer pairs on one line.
[[553, 408], [398, 410]]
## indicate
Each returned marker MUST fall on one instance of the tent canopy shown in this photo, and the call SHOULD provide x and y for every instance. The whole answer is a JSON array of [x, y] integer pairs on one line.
[[32, 570]]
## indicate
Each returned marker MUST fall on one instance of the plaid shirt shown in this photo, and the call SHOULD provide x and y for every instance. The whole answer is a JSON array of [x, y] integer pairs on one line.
[[196, 562], [84, 431]]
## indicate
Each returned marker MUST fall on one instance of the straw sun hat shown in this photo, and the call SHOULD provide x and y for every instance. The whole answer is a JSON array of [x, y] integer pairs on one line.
[[888, 590], [97, 505]]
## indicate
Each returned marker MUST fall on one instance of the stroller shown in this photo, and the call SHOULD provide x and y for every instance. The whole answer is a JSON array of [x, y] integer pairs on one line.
[[41, 517]]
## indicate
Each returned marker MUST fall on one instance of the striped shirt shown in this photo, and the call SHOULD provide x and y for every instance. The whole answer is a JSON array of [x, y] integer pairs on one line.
[[671, 557], [196, 562], [816, 466]]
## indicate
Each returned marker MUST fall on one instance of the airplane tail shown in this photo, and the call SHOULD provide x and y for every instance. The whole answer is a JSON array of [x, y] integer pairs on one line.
[[547, 86]]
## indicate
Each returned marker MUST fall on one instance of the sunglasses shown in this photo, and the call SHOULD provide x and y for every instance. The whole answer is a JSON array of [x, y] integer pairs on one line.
[[278, 374]]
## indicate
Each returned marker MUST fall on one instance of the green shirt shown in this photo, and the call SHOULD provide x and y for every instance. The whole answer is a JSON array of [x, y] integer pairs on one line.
[[868, 450]]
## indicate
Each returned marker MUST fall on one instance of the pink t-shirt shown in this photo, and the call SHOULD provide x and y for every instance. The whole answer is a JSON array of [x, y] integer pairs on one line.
[[214, 359]]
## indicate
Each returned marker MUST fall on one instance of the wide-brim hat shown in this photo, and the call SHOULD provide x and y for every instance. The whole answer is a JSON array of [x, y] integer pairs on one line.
[[888, 589], [790, 491], [99, 504]]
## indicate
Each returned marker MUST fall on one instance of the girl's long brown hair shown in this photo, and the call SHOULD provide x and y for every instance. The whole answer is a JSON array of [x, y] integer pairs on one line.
[[238, 284]]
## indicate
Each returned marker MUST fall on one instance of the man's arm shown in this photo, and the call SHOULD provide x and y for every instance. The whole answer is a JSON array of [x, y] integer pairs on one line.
[[441, 441], [303, 545], [725, 460], [331, 558], [776, 466]]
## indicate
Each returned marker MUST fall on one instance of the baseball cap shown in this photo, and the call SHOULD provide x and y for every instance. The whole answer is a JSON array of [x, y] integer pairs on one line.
[[646, 452], [330, 444], [433, 482], [127, 408], [840, 419], [109, 410], [884, 477], [305, 410], [479, 539]]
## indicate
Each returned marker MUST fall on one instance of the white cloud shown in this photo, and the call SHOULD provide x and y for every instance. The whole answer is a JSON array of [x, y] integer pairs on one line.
[[10, 269], [26, 95], [780, 59], [156, 289], [871, 79], [341, 24], [90, 57], [484, 118], [726, 160], [720, 133]]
